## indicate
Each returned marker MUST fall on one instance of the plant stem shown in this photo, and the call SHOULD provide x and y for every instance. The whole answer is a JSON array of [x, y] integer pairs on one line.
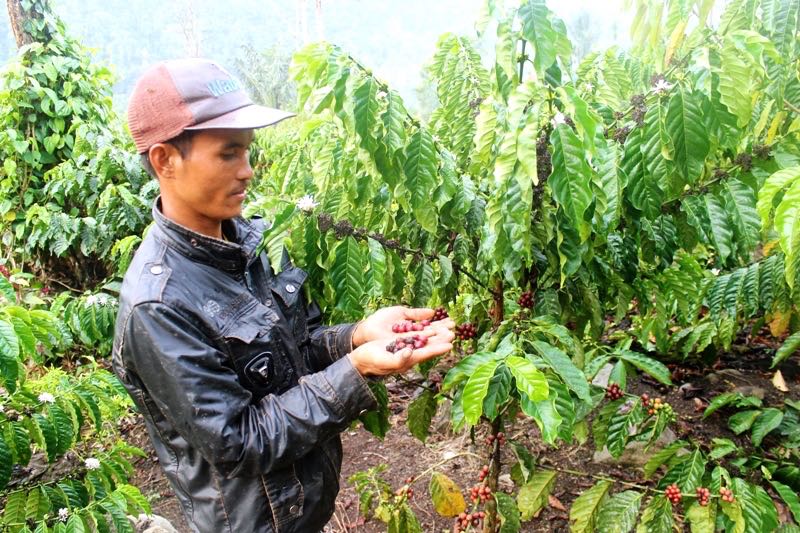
[[491, 521]]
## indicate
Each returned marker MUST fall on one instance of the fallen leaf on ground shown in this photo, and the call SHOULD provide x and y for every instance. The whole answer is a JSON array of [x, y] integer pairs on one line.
[[779, 383], [555, 503]]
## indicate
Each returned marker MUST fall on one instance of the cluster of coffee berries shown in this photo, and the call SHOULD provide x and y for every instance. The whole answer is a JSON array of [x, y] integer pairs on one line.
[[745, 161], [645, 399], [659, 405], [4, 271], [405, 327], [439, 314], [703, 495], [526, 300], [639, 109], [613, 392], [416, 342], [761, 151], [621, 134], [480, 493], [500, 438], [726, 494], [673, 494], [484, 472], [543, 162], [464, 520], [466, 331]]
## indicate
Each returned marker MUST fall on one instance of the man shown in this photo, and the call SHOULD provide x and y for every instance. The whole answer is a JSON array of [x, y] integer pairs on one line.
[[242, 389]]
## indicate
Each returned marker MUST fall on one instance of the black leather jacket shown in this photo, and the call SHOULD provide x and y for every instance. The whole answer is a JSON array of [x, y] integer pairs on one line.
[[242, 389]]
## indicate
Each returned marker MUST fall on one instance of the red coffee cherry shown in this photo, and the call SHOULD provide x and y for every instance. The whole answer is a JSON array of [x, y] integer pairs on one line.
[[673, 494], [703, 495], [466, 331], [526, 300], [439, 314]]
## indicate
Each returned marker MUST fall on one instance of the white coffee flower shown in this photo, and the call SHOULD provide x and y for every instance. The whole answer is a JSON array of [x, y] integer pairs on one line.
[[559, 118], [715, 271], [63, 514], [91, 463], [46, 397], [306, 204], [662, 86], [589, 86], [90, 301]]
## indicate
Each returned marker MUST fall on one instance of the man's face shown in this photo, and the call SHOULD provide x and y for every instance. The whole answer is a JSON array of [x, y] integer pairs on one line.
[[209, 183]]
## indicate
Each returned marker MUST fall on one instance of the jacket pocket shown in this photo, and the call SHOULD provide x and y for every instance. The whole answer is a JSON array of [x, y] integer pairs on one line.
[[287, 287], [258, 357]]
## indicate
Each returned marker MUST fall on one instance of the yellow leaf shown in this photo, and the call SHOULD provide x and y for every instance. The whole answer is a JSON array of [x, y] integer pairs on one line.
[[674, 40], [769, 246], [446, 495], [773, 128], [779, 383], [779, 323], [11, 216]]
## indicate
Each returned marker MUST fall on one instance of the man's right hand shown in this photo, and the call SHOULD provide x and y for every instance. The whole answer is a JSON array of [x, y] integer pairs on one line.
[[372, 358]]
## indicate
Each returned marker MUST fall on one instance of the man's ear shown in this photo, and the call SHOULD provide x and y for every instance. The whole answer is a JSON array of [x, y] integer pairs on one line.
[[163, 158]]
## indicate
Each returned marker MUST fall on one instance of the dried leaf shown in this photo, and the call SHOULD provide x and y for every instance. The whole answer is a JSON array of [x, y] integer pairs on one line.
[[779, 383], [555, 503]]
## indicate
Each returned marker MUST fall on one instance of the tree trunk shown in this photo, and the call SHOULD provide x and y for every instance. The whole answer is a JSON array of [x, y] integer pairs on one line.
[[18, 16]]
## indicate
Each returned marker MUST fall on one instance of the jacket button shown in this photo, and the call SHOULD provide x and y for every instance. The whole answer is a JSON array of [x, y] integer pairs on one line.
[[290, 288], [268, 302], [156, 269], [294, 509]]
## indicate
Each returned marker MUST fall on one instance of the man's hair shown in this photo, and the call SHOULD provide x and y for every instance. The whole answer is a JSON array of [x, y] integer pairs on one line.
[[183, 143]]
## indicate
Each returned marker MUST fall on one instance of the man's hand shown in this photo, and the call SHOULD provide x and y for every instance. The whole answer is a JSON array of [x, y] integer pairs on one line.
[[379, 324], [372, 358]]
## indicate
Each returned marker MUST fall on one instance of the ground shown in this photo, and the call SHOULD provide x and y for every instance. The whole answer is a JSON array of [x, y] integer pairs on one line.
[[461, 457]]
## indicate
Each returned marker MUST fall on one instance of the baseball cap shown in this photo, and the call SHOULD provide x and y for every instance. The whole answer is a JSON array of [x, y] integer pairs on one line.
[[191, 94]]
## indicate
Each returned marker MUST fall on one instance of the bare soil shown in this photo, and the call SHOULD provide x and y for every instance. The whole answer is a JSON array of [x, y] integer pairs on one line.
[[461, 456]]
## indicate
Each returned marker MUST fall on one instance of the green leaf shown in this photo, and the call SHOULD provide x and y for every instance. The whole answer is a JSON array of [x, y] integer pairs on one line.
[[565, 368], [6, 463], [789, 496], [508, 512], [741, 422], [657, 516], [648, 365], [530, 380], [687, 131], [377, 422], [539, 31], [420, 170], [584, 510], [365, 111], [620, 426], [788, 348], [721, 232], [571, 177], [702, 518], [769, 419], [7, 290], [533, 496], [347, 277], [546, 416], [447, 498], [661, 457], [475, 391], [776, 183], [420, 414], [49, 433], [618, 514]]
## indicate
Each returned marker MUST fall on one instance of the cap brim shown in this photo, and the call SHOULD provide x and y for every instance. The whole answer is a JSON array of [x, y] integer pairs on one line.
[[245, 118]]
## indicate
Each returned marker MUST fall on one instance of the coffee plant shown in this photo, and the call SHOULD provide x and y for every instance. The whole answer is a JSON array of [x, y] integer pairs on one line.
[[652, 187], [70, 184]]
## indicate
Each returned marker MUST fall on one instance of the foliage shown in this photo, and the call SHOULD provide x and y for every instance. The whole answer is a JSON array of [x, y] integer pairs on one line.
[[69, 187]]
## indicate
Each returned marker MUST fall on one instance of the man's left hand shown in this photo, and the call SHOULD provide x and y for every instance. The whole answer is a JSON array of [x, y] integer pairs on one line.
[[379, 324]]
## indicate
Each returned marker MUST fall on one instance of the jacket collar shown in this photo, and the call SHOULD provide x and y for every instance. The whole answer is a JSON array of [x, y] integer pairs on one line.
[[233, 255]]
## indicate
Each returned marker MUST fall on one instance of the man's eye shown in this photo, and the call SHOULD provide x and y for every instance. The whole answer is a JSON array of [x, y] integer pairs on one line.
[[228, 156]]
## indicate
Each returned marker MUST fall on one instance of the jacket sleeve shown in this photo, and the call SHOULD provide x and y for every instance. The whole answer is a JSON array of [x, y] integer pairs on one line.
[[327, 344], [193, 387]]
